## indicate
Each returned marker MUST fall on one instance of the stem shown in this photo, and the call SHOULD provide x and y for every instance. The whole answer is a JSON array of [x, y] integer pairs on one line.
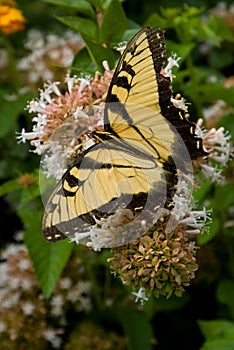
[[14, 74]]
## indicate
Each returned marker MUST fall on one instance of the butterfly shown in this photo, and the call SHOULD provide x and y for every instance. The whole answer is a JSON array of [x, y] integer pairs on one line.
[[131, 171]]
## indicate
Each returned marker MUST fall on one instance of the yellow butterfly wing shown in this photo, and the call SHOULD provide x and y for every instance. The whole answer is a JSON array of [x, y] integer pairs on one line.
[[135, 166], [139, 103], [109, 176]]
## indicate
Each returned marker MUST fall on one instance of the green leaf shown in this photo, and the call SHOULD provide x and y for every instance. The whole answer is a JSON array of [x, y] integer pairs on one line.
[[221, 58], [212, 231], [216, 328], [223, 194], [10, 186], [98, 53], [227, 122], [222, 344], [206, 33], [220, 27], [98, 4], [128, 34], [155, 20], [29, 193], [225, 294], [10, 110], [211, 92], [81, 6], [113, 24], [137, 329], [182, 50], [83, 63], [82, 25], [49, 259], [202, 192]]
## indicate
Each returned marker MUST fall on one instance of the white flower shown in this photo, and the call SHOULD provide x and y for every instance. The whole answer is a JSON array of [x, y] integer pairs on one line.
[[11, 301], [140, 295], [100, 238], [45, 94], [172, 62], [40, 119], [197, 220], [28, 308], [4, 269], [217, 109], [18, 236], [26, 284], [179, 103], [65, 283], [12, 250], [51, 336], [84, 286], [182, 201], [58, 48], [121, 46], [36, 106], [83, 83], [70, 82], [181, 207], [77, 237], [54, 163], [73, 295], [14, 282], [57, 303], [107, 232], [3, 327], [24, 136], [79, 113], [84, 304], [121, 215], [88, 142], [217, 142], [211, 172], [24, 264]]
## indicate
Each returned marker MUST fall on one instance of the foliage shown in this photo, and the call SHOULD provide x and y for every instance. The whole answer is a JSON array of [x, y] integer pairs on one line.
[[203, 38], [218, 333]]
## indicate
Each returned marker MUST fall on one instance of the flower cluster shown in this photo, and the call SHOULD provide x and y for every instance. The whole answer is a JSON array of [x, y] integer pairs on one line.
[[26, 316], [11, 19], [160, 263], [163, 260], [50, 55], [218, 144], [62, 116]]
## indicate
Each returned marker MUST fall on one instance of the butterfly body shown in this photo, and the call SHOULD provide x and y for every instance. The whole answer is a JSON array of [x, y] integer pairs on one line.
[[134, 161]]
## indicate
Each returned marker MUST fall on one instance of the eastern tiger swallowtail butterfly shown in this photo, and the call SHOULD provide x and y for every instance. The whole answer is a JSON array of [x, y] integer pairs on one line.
[[135, 163]]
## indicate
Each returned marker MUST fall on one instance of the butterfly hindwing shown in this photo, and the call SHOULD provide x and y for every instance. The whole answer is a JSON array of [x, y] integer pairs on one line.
[[109, 176]]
